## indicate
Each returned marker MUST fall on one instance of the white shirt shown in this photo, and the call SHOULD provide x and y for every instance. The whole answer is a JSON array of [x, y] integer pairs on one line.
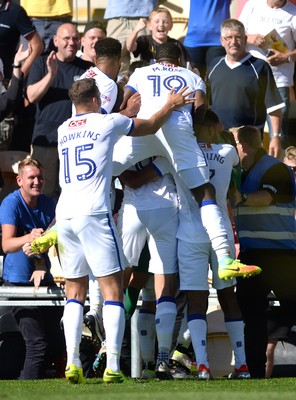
[[107, 87], [221, 158], [175, 140], [159, 193], [258, 17], [85, 147]]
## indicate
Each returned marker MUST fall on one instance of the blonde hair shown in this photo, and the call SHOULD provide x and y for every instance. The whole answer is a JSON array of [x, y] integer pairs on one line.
[[159, 10], [290, 153], [28, 162]]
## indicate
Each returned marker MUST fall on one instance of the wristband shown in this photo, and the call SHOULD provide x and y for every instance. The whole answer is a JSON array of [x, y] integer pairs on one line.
[[244, 198], [16, 66], [277, 134]]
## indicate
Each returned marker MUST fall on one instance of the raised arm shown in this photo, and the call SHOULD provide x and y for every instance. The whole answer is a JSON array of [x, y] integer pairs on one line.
[[13, 95], [37, 90], [131, 41]]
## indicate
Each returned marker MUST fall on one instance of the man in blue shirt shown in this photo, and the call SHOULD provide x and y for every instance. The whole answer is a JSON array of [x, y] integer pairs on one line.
[[25, 214]]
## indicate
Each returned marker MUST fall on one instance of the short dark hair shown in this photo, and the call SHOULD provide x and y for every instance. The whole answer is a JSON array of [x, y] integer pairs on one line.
[[136, 64], [83, 91], [95, 24], [210, 118], [168, 51], [108, 48]]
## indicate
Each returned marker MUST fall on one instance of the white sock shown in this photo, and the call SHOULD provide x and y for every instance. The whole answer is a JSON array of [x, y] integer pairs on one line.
[[165, 318], [146, 329], [72, 321], [213, 223], [197, 324], [114, 323], [235, 329]]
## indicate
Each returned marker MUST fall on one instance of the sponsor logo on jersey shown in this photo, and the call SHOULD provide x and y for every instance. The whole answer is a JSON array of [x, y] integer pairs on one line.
[[90, 73], [75, 123]]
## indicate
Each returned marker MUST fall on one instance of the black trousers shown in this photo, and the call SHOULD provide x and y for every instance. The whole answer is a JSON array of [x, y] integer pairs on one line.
[[278, 275], [44, 339]]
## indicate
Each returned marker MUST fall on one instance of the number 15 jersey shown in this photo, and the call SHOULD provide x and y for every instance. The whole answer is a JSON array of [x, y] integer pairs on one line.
[[85, 147]]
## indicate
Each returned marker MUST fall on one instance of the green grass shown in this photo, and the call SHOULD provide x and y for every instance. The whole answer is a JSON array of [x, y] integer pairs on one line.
[[133, 389]]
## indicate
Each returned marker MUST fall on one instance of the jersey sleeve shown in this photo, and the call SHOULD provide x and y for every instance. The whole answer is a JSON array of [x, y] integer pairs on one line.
[[161, 165]]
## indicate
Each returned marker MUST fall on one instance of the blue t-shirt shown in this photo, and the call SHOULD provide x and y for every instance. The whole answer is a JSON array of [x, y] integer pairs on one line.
[[18, 267], [129, 8], [205, 19]]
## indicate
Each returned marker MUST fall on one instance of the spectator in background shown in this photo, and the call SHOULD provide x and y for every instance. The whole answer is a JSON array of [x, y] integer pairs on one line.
[[122, 16], [93, 32], [9, 98], [260, 17], [290, 158], [202, 40], [264, 208], [242, 87], [47, 16], [48, 82], [25, 214], [15, 22], [159, 23]]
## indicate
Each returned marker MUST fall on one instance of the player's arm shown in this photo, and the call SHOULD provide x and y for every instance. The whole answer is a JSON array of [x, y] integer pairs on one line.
[[199, 108], [136, 179], [128, 92], [157, 168], [143, 127]]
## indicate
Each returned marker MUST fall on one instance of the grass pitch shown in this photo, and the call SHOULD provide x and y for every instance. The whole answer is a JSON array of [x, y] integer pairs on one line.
[[136, 389]]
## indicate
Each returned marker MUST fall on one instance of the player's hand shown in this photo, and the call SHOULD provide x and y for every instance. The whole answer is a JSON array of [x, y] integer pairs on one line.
[[34, 234], [133, 105], [181, 98]]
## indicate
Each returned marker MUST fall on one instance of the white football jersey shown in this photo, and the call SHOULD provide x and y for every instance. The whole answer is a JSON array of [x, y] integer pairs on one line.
[[175, 140], [221, 158], [159, 193], [154, 83], [85, 147], [107, 87]]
